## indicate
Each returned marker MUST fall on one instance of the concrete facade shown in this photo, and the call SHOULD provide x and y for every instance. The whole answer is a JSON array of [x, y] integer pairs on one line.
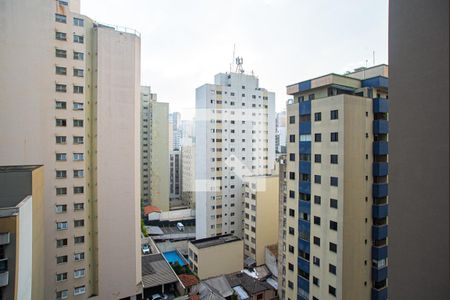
[[83, 73], [419, 148]]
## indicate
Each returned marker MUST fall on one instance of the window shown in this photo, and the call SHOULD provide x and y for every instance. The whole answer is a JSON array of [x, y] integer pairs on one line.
[[291, 231], [79, 273], [61, 173], [60, 105], [291, 267], [78, 89], [291, 212], [316, 241], [78, 239], [292, 138], [291, 249], [317, 179], [318, 116], [334, 137], [333, 181], [311, 97], [316, 220], [317, 137], [61, 70], [333, 159], [78, 106], [61, 276], [79, 290], [305, 138], [78, 156], [78, 140], [332, 290], [60, 53], [78, 39], [316, 261], [333, 247], [78, 206], [291, 156], [332, 269], [61, 122], [61, 259], [333, 203], [316, 281], [78, 189], [292, 120], [317, 158], [333, 225], [78, 256], [291, 194], [78, 72], [334, 115], [61, 36], [60, 208], [78, 173], [78, 55], [64, 2], [78, 123], [61, 191], [61, 88], [62, 294], [61, 243], [78, 22], [317, 200], [61, 157], [61, 226], [292, 175]]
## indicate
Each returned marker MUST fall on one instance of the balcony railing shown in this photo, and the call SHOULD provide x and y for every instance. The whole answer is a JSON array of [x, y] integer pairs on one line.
[[379, 253], [380, 169], [380, 211], [380, 126], [379, 294], [379, 232], [4, 279], [380, 105], [380, 148], [380, 190], [4, 238], [305, 108]]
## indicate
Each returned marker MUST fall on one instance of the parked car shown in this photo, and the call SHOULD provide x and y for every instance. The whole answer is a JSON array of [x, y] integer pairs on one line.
[[145, 249], [180, 226], [158, 296]]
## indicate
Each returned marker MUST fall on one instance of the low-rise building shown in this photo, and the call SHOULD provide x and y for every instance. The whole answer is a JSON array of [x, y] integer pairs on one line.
[[21, 232], [214, 256], [247, 287]]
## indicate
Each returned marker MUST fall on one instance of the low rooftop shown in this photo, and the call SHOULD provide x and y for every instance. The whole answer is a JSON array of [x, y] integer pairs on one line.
[[156, 271], [214, 241], [15, 184], [251, 285]]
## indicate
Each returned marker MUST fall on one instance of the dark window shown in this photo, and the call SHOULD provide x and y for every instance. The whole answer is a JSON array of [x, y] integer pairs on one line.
[[333, 181], [291, 194], [292, 138], [292, 156], [334, 137], [333, 247], [316, 261], [316, 241], [301, 99], [317, 158], [290, 285], [333, 203], [291, 230], [311, 97], [317, 179], [292, 120], [332, 290], [317, 199], [291, 267], [333, 158], [332, 269], [316, 220], [292, 212], [334, 115], [291, 175], [316, 281], [333, 225], [318, 116], [317, 137], [291, 249]]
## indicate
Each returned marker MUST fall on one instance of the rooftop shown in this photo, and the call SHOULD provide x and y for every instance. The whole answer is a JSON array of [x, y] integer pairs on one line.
[[251, 285], [214, 241], [188, 280], [15, 184], [156, 271], [150, 209]]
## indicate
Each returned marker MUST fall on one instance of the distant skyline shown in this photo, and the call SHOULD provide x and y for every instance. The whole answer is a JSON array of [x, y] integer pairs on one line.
[[185, 43]]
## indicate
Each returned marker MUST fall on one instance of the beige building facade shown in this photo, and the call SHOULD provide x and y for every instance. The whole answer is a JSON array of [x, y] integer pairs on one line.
[[260, 215], [155, 172], [216, 256], [76, 111]]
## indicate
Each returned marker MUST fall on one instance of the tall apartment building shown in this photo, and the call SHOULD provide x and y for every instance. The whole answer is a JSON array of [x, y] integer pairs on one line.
[[280, 132], [337, 167], [260, 215], [175, 175], [154, 150], [235, 130], [282, 219], [70, 102], [21, 232], [419, 225], [176, 130], [188, 164]]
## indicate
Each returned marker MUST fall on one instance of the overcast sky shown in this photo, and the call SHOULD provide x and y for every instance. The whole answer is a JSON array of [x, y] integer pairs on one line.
[[186, 42]]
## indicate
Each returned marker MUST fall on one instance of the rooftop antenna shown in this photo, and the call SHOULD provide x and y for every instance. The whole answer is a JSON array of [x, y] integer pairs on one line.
[[232, 61], [239, 63]]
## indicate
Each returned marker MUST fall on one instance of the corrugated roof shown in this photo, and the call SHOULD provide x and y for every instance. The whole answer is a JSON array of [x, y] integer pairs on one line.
[[150, 209], [188, 280], [251, 285], [156, 271]]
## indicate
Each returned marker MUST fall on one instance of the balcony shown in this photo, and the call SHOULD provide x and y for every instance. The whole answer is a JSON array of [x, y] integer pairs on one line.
[[305, 167], [380, 148], [379, 232], [305, 148], [376, 82], [379, 211], [304, 206], [379, 294], [303, 264], [379, 253], [380, 169], [304, 227], [305, 127], [4, 279], [303, 245], [379, 190], [4, 238], [380, 126], [303, 284], [380, 105], [304, 108], [379, 274], [305, 187]]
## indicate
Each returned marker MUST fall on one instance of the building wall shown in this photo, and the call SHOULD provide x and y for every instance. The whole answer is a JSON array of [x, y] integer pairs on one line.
[[24, 250], [10, 224], [218, 260], [38, 233], [118, 183], [419, 148]]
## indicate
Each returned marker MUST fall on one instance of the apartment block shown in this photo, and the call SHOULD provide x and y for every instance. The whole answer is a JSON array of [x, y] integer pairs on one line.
[[235, 131], [188, 164], [282, 219], [337, 187], [70, 102], [260, 216], [175, 130], [216, 256], [21, 232], [175, 175], [155, 170], [280, 129]]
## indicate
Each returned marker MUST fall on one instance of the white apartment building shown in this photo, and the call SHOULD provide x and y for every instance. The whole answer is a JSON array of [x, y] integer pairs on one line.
[[69, 101], [187, 163], [176, 130], [235, 137]]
